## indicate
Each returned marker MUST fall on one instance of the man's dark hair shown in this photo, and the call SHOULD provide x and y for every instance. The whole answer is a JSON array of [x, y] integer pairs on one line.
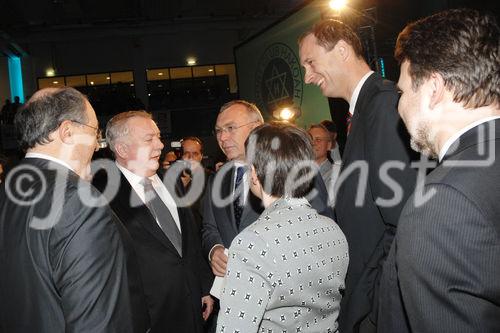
[[329, 125], [463, 46], [45, 112], [286, 147], [328, 33], [195, 139]]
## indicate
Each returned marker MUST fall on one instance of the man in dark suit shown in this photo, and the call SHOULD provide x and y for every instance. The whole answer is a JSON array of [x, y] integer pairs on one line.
[[376, 177], [175, 276], [63, 261], [229, 206], [442, 271]]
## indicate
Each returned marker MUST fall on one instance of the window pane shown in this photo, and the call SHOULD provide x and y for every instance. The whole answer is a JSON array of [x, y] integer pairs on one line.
[[200, 71], [51, 82], [180, 73], [124, 77], [76, 81], [230, 71], [98, 79], [157, 74]]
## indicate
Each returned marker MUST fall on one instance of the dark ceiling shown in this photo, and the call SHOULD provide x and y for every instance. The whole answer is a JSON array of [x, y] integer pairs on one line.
[[29, 15]]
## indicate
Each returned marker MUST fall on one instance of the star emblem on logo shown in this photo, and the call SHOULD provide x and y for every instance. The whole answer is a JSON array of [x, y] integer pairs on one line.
[[276, 86]]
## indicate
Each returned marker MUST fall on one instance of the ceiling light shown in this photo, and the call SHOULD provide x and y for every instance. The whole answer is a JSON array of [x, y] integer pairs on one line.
[[50, 72], [55, 82], [108, 78], [191, 61], [337, 4], [91, 83], [210, 69], [160, 74]]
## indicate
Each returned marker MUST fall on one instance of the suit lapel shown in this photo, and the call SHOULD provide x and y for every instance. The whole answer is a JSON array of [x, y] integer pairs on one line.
[[356, 124], [227, 187], [141, 214]]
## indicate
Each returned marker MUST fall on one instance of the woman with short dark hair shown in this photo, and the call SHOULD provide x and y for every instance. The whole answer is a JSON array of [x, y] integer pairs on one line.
[[285, 271]]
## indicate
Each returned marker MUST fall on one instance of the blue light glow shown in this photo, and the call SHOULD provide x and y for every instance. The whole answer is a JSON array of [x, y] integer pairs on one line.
[[16, 78], [382, 67]]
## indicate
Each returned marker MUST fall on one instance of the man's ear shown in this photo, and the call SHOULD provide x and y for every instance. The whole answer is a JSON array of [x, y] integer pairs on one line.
[[437, 88], [121, 150], [343, 50], [65, 132]]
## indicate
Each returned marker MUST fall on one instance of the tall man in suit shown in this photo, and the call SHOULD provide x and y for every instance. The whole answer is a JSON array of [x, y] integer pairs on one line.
[[175, 275], [63, 262], [442, 272], [229, 206], [376, 177]]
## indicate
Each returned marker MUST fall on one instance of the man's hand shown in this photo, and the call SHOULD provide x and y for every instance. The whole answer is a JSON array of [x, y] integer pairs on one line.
[[218, 262], [207, 304]]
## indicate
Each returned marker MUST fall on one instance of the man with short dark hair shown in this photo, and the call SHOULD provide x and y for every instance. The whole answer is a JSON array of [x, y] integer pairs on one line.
[[442, 272], [192, 153], [332, 56], [64, 263], [176, 278]]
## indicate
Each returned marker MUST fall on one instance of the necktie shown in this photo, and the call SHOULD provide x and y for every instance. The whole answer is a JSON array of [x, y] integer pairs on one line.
[[348, 122], [162, 215], [238, 200]]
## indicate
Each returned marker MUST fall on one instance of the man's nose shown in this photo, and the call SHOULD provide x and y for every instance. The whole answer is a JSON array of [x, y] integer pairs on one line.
[[308, 76]]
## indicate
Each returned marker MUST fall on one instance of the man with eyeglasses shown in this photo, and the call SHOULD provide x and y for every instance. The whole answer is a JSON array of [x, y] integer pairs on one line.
[[322, 143], [65, 265], [229, 206]]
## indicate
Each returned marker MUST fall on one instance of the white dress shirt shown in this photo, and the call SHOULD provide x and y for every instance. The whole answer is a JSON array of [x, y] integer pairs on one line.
[[355, 93], [50, 158], [165, 196], [457, 135]]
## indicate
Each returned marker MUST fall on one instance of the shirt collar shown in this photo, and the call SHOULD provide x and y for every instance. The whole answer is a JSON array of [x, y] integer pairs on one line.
[[132, 177], [458, 134], [355, 93], [50, 158]]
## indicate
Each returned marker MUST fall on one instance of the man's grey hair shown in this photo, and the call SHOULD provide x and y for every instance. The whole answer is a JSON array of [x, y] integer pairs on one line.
[[323, 127], [117, 128], [252, 109]]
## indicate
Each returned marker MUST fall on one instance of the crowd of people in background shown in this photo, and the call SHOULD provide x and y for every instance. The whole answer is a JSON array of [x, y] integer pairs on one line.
[[399, 233], [9, 110]]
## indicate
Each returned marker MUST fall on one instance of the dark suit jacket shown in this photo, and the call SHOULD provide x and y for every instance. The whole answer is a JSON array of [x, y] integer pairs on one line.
[[66, 272], [219, 226], [377, 135], [173, 285], [442, 273]]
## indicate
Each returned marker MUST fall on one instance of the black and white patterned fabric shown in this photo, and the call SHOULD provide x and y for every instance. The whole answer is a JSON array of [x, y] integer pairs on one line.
[[285, 273]]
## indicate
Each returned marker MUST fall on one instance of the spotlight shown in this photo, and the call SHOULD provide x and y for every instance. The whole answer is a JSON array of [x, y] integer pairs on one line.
[[287, 113], [337, 5]]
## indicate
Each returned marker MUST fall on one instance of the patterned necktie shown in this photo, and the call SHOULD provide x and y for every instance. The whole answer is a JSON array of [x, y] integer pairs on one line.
[[161, 213], [238, 200]]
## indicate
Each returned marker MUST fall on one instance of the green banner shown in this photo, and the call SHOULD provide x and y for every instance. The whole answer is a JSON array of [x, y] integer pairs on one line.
[[269, 71]]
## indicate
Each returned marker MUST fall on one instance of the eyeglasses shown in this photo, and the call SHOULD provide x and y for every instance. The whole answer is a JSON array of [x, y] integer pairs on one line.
[[320, 139], [98, 133], [229, 129]]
